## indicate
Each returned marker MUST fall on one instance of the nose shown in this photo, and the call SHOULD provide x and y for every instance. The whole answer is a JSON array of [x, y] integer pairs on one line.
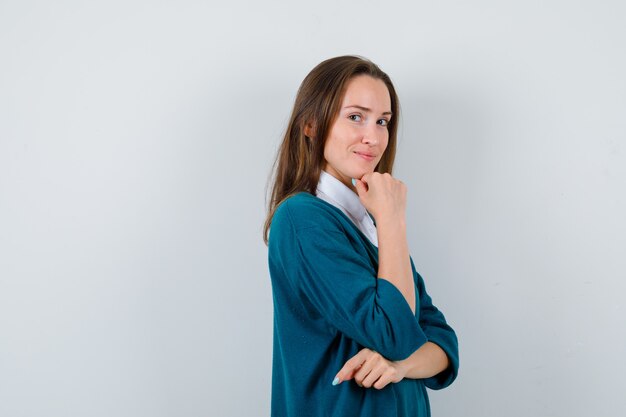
[[371, 135]]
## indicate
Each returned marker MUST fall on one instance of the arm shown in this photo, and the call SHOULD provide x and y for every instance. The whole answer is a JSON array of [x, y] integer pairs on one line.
[[427, 361], [385, 197], [370, 369], [393, 258], [436, 362]]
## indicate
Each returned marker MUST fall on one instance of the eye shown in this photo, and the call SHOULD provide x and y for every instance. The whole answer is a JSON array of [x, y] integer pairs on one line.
[[385, 122], [355, 115]]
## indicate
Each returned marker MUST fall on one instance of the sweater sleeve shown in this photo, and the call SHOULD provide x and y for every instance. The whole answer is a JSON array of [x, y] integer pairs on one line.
[[437, 330], [340, 284]]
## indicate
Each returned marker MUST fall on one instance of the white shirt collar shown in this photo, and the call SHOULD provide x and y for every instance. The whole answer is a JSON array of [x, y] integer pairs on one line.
[[333, 191]]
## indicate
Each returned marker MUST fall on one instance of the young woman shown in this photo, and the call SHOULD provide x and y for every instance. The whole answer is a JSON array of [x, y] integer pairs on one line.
[[355, 332]]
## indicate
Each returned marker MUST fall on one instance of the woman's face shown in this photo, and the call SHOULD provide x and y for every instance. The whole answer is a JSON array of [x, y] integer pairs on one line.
[[359, 136]]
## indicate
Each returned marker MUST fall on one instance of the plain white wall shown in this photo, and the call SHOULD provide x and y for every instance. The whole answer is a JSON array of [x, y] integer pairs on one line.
[[136, 139]]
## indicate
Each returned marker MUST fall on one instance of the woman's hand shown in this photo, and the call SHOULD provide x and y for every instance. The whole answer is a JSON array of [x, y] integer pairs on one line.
[[382, 195], [371, 369]]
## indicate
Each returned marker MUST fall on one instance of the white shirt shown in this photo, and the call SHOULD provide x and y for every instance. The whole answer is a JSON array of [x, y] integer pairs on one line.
[[333, 191]]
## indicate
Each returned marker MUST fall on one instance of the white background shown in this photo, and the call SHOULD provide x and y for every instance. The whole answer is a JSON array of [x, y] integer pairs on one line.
[[136, 139]]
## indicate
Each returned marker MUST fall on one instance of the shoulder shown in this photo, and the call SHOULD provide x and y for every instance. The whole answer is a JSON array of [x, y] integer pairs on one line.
[[303, 210]]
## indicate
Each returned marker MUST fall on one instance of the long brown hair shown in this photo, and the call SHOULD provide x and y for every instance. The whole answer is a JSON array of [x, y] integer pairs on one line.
[[300, 159]]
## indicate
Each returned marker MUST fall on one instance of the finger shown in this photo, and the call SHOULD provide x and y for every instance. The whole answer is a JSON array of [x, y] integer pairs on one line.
[[362, 373], [347, 371], [350, 374], [361, 187], [384, 379], [374, 179], [373, 376], [372, 362]]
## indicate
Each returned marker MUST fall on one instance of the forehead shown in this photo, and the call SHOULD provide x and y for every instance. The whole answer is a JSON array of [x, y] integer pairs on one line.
[[369, 92]]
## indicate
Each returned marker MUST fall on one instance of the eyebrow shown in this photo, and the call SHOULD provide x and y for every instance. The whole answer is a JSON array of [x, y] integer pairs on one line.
[[366, 109]]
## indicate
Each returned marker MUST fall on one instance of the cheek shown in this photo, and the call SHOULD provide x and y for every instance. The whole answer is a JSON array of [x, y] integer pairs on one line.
[[331, 150], [338, 144], [385, 141]]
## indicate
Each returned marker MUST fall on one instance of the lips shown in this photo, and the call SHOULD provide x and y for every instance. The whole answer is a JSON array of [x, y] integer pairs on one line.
[[365, 155]]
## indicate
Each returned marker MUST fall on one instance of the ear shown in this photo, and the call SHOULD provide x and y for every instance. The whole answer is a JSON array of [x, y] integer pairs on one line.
[[309, 128]]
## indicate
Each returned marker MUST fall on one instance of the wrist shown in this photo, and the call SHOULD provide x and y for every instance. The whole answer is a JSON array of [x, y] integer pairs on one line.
[[403, 368], [394, 224]]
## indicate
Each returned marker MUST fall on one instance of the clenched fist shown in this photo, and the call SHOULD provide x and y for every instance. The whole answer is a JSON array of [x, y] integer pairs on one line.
[[382, 195]]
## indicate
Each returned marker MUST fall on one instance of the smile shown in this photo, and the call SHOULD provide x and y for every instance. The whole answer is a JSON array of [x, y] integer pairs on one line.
[[365, 156]]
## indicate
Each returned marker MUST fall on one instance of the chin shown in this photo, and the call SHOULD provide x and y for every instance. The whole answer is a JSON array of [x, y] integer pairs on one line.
[[358, 173]]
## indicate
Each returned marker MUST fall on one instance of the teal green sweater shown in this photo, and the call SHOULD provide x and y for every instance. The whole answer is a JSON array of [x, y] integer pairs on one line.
[[329, 304]]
